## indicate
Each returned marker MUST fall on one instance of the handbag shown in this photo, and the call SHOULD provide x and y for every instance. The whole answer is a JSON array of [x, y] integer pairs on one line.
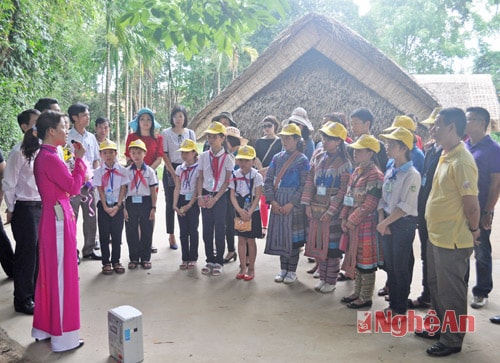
[[242, 226]]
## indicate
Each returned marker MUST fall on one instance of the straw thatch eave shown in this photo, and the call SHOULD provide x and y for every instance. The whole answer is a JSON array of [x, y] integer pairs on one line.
[[464, 90], [341, 46]]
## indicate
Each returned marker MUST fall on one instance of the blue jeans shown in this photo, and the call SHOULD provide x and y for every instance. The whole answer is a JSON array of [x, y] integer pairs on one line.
[[482, 253], [398, 261]]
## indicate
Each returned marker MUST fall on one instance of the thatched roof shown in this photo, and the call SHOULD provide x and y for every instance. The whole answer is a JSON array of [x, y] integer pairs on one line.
[[321, 65], [461, 90]]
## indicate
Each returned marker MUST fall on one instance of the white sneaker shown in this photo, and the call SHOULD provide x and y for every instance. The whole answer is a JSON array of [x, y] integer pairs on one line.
[[280, 277], [217, 269], [327, 288], [207, 270], [319, 285], [479, 302], [290, 278], [97, 245]]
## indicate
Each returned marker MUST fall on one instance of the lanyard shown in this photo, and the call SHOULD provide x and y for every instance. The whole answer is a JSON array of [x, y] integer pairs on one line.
[[138, 177], [186, 176]]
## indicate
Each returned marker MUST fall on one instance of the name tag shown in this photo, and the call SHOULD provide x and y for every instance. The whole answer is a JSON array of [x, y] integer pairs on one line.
[[137, 199], [349, 201], [188, 196], [388, 187], [211, 184], [321, 190]]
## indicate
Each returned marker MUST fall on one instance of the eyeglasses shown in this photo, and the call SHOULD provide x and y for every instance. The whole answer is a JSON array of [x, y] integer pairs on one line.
[[267, 126]]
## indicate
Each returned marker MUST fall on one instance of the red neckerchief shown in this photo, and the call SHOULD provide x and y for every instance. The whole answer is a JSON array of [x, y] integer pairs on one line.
[[216, 167], [107, 176], [138, 176]]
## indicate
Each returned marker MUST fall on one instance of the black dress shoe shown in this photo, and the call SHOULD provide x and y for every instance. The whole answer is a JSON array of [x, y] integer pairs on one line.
[[353, 305], [441, 350], [495, 319], [426, 335], [92, 256], [26, 308]]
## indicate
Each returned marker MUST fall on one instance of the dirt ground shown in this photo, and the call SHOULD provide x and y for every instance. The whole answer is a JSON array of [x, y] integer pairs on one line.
[[10, 351]]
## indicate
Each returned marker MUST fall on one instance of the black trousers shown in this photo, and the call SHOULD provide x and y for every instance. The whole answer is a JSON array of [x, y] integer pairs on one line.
[[139, 244], [110, 227], [6, 252], [24, 223]]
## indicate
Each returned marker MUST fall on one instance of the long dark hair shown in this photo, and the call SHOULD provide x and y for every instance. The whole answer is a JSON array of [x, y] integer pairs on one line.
[[31, 142]]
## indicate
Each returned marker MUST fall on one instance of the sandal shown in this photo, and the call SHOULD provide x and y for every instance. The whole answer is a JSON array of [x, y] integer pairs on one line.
[[343, 277], [146, 265], [183, 265], [118, 267], [191, 264], [132, 265], [348, 299], [107, 269], [217, 270]]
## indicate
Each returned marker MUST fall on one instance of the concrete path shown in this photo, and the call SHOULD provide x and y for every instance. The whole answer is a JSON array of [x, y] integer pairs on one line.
[[191, 317]]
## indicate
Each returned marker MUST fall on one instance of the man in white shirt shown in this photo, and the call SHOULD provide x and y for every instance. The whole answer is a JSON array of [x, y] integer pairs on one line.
[[24, 208], [79, 116]]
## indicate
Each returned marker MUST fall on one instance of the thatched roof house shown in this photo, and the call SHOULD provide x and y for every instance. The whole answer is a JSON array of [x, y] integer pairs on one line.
[[460, 90], [321, 65]]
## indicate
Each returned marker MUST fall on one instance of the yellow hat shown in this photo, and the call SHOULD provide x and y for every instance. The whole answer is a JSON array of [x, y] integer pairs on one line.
[[432, 118], [334, 129], [290, 129], [216, 128], [402, 121], [188, 145], [246, 152], [139, 144], [400, 134], [366, 142], [108, 145]]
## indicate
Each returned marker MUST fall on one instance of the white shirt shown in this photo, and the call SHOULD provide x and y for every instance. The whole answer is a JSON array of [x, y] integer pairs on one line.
[[400, 189], [172, 142], [188, 176], [115, 181], [18, 180], [210, 181], [242, 186], [91, 146], [136, 186]]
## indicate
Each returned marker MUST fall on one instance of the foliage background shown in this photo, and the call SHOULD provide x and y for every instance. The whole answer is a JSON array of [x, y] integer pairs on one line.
[[121, 55]]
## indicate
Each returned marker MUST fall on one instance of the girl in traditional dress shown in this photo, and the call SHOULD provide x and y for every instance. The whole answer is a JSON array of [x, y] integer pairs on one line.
[[359, 222], [323, 195], [246, 189], [283, 188], [57, 295]]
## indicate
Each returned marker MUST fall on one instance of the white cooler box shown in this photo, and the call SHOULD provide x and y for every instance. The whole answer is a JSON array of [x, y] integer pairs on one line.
[[125, 334]]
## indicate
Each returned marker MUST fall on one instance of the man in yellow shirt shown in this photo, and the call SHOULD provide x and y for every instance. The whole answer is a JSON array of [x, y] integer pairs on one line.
[[452, 216]]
